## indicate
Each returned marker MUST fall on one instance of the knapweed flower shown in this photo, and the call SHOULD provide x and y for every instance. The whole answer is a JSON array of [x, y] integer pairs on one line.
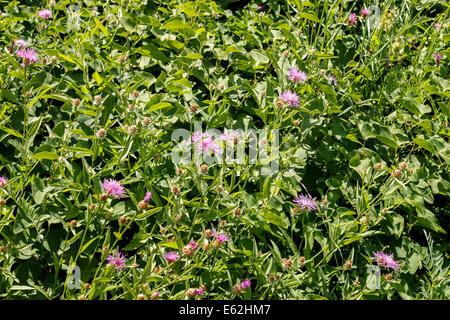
[[437, 25], [365, 12], [205, 143], [332, 79], [194, 245], [295, 75], [171, 256], [117, 260], [113, 188], [221, 237], [352, 20], [20, 43], [438, 57], [245, 284], [229, 135], [45, 14], [386, 260], [148, 196], [3, 182], [305, 202], [199, 291], [290, 98], [29, 56]]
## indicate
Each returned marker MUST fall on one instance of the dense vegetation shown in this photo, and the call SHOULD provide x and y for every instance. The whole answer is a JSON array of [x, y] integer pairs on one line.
[[350, 100]]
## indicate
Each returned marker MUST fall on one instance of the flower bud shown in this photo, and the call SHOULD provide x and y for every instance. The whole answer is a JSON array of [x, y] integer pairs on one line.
[[402, 165], [348, 264], [101, 133], [73, 223], [190, 293], [142, 205], [146, 121], [237, 289], [123, 220], [140, 296], [155, 295]]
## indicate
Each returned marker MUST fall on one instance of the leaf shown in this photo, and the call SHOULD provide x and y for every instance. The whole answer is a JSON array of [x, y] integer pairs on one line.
[[280, 220], [414, 106], [415, 262], [310, 17], [172, 245], [193, 56], [45, 155], [158, 106], [427, 145]]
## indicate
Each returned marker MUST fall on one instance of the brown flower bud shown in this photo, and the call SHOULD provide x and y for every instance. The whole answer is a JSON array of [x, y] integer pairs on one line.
[[156, 270], [389, 276], [216, 243], [98, 99], [187, 250], [221, 87], [101, 133], [130, 108], [223, 223], [140, 297], [202, 287], [155, 295], [133, 129], [142, 205], [177, 218], [279, 103], [385, 210], [325, 203], [87, 285], [121, 59], [286, 53], [205, 247], [237, 289], [301, 260], [402, 165], [76, 102], [2, 249], [263, 93], [348, 264], [295, 122], [162, 230], [136, 93], [378, 166], [397, 173], [82, 298], [105, 249], [107, 215], [193, 108], [179, 171], [287, 263], [176, 190], [237, 212], [370, 51], [356, 282], [146, 121], [123, 220], [145, 286], [208, 233], [2, 201], [73, 223], [92, 207], [219, 188], [53, 59], [204, 168], [190, 293]]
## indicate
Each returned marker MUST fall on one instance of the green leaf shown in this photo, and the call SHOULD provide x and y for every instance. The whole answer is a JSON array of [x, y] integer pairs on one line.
[[158, 106], [277, 219], [415, 262], [172, 245], [414, 106], [45, 155], [309, 16]]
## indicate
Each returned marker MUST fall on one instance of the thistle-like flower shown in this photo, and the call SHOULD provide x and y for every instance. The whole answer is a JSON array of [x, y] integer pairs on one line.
[[113, 188], [386, 260], [45, 14], [305, 202], [29, 56], [295, 75], [290, 98], [171, 256], [117, 260]]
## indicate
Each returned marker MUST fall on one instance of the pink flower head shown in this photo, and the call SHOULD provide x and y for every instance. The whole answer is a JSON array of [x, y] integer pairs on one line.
[[386, 260], [290, 98], [194, 245], [45, 14], [296, 75], [221, 237], [438, 57], [245, 284], [199, 291], [437, 25], [171, 256], [113, 188], [3, 181], [332, 79], [205, 143], [365, 12], [20, 43], [305, 202], [147, 196], [229, 136], [29, 56], [117, 260], [352, 20]]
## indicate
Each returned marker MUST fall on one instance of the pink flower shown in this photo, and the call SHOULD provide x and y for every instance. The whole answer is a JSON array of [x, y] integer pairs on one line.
[[194, 245], [199, 291], [20, 43], [205, 143], [352, 20], [296, 75], [117, 260], [365, 12], [438, 57], [437, 25], [386, 260], [29, 56], [290, 98], [221, 237], [45, 14], [171, 256], [113, 188], [3, 182], [245, 284], [305, 202], [147, 196], [229, 136]]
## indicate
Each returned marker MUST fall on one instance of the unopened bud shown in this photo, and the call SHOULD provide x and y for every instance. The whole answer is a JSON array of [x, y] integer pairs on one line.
[[190, 293], [140, 296], [123, 220], [101, 133]]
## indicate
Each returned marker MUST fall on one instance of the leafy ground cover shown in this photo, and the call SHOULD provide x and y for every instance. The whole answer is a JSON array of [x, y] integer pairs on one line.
[[224, 150]]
